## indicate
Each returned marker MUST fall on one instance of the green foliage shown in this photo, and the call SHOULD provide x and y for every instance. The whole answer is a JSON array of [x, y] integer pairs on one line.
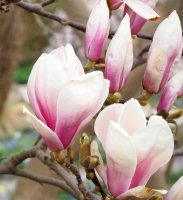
[[22, 72], [174, 176]]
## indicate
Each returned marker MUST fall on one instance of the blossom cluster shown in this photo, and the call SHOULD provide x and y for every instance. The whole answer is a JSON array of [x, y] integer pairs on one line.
[[65, 99]]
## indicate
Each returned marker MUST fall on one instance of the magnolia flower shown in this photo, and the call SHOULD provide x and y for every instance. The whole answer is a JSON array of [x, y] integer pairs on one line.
[[62, 97], [165, 47], [134, 150], [172, 90], [176, 192], [117, 64], [97, 30], [140, 11]]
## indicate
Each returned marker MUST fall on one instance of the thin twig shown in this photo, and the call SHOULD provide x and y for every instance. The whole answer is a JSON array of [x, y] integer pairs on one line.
[[59, 170], [87, 194]]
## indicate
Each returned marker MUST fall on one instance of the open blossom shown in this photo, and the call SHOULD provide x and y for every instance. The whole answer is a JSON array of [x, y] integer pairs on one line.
[[117, 64], [165, 47], [172, 90], [63, 97], [134, 150], [97, 30], [140, 11]]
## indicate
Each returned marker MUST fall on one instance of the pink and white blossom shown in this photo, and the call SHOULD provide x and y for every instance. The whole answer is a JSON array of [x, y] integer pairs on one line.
[[134, 150], [165, 47], [63, 97], [97, 30], [119, 56]]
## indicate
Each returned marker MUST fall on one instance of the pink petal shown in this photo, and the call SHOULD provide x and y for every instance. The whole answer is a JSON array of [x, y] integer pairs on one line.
[[176, 192], [50, 77], [118, 64], [79, 100], [172, 90], [51, 139], [121, 159], [154, 145], [100, 168], [136, 22], [132, 117], [111, 112], [142, 9]]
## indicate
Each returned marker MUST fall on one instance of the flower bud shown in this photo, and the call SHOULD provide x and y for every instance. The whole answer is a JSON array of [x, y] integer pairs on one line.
[[165, 47], [172, 90], [84, 148], [97, 30], [119, 56]]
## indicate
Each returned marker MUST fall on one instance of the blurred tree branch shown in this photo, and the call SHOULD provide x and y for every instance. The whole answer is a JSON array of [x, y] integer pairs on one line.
[[38, 8], [75, 188]]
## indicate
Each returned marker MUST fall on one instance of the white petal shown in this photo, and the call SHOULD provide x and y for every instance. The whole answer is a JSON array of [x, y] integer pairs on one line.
[[154, 145], [132, 118], [121, 159]]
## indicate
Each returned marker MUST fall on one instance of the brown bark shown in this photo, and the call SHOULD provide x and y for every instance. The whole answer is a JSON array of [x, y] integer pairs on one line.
[[10, 49]]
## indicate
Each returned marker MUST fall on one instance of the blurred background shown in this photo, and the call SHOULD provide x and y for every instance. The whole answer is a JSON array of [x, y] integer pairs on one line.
[[23, 37]]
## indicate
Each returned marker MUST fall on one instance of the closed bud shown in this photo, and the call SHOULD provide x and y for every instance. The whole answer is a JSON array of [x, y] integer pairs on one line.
[[84, 148], [117, 64], [97, 30], [91, 162], [165, 47]]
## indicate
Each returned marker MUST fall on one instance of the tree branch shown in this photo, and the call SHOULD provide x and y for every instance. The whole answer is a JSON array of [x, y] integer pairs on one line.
[[43, 179], [37, 8]]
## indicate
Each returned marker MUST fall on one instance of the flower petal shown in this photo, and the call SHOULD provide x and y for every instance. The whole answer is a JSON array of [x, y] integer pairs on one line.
[[111, 112], [31, 91], [163, 53], [97, 30], [157, 120], [80, 99], [50, 77], [154, 145], [176, 192], [118, 64], [132, 113], [172, 90], [142, 9], [51, 139], [68, 60], [121, 159]]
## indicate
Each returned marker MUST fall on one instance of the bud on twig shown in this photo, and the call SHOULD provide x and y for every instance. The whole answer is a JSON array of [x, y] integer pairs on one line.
[[84, 148], [91, 162]]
